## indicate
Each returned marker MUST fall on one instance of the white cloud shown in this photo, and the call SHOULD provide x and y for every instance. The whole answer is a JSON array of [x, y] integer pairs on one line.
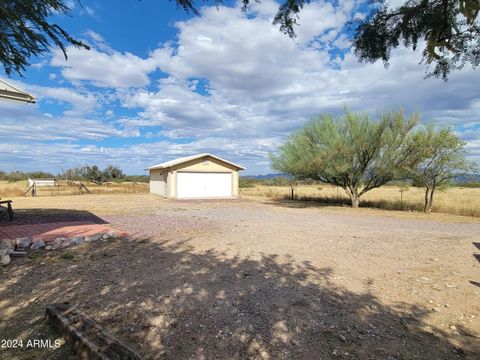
[[317, 18], [236, 86], [102, 69], [262, 82], [133, 159], [71, 4], [44, 127], [89, 10]]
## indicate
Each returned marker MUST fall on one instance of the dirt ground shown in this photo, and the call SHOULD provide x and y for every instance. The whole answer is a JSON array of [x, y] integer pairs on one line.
[[255, 279]]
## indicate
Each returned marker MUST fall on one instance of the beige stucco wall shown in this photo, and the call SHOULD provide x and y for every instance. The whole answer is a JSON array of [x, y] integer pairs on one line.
[[206, 164], [158, 182], [235, 177]]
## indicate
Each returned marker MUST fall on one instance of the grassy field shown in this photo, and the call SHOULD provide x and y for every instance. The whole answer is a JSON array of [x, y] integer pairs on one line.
[[18, 188], [453, 200]]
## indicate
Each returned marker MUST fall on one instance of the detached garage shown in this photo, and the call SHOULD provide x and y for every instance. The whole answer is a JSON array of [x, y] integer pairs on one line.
[[202, 176]]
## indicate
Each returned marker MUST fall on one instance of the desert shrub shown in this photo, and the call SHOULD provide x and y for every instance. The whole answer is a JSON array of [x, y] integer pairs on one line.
[[137, 178], [246, 182], [471, 185], [277, 181], [15, 176], [379, 204]]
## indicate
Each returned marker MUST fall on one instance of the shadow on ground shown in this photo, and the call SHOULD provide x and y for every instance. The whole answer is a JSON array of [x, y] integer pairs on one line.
[[315, 202], [476, 256], [169, 302], [42, 216]]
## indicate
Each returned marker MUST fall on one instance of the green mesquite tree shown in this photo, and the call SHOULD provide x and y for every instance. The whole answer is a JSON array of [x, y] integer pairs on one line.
[[351, 151], [443, 157]]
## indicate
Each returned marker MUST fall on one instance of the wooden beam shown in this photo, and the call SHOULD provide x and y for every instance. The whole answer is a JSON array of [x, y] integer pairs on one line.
[[87, 338]]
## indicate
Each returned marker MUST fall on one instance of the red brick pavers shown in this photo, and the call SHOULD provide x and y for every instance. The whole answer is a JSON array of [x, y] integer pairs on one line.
[[50, 231]]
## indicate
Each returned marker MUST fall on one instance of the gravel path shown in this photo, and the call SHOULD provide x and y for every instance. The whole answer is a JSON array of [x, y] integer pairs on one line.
[[244, 279]]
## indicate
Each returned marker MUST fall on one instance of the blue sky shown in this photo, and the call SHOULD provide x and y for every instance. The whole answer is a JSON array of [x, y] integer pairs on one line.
[[159, 83]]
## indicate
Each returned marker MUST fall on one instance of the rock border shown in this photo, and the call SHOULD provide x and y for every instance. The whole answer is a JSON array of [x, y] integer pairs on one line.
[[8, 246]]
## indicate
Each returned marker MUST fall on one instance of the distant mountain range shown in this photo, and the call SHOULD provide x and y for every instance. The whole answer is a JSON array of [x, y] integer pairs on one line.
[[472, 178], [464, 179]]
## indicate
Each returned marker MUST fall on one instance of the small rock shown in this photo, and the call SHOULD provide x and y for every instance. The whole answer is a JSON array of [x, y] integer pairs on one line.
[[5, 260], [343, 338], [95, 237], [78, 240], [264, 355], [37, 244], [109, 235], [428, 329], [48, 247], [57, 243], [6, 246], [335, 352], [23, 243], [453, 327], [5, 252], [67, 243]]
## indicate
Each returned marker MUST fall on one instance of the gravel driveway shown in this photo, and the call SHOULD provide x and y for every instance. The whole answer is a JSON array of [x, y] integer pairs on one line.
[[246, 279]]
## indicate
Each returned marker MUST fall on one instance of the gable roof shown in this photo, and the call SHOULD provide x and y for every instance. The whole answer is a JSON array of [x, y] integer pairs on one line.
[[10, 92], [181, 160]]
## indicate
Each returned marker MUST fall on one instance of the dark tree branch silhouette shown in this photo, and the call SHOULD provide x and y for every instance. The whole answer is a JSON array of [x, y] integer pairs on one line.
[[26, 30], [450, 29]]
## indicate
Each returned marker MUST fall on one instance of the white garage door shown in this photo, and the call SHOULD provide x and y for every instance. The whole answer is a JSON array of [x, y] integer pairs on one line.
[[203, 185]]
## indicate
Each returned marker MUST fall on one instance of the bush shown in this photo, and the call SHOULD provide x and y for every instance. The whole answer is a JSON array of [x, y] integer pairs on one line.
[[14, 176], [246, 182], [470, 185], [137, 178]]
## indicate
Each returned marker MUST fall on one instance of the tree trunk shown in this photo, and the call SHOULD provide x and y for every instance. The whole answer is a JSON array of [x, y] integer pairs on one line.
[[355, 200], [425, 205], [430, 202]]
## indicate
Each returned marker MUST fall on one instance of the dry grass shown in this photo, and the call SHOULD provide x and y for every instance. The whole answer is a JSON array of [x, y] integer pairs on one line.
[[18, 188], [97, 204], [454, 200]]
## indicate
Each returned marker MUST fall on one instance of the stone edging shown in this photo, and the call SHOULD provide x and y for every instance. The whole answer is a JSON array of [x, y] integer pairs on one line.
[[7, 246]]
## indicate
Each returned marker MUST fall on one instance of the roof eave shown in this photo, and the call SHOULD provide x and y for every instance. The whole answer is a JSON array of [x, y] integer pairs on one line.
[[17, 96], [190, 158]]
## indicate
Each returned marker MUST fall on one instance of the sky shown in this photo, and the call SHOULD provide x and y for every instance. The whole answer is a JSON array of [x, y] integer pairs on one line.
[[159, 84]]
